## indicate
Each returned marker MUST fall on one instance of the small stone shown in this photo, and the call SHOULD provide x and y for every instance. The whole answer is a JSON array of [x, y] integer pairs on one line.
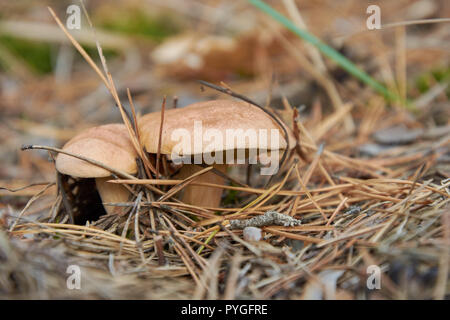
[[252, 234]]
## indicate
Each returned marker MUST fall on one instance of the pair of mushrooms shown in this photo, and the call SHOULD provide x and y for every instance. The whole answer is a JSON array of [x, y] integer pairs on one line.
[[110, 144]]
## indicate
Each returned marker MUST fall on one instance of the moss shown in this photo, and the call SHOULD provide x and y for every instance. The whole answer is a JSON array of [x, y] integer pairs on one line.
[[39, 56], [231, 197], [441, 75], [426, 80], [245, 74], [135, 22], [423, 83], [36, 54], [93, 53], [129, 234]]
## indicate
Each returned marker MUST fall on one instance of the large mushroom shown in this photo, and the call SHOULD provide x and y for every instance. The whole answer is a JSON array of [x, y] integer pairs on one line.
[[109, 144], [217, 129]]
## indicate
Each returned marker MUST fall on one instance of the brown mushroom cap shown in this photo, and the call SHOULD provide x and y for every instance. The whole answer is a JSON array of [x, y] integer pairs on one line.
[[216, 114], [109, 144]]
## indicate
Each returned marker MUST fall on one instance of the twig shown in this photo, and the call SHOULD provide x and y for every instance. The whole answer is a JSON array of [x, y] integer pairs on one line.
[[267, 219], [161, 124]]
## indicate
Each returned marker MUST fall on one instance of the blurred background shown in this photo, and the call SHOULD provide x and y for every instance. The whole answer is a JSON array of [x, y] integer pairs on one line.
[[48, 92]]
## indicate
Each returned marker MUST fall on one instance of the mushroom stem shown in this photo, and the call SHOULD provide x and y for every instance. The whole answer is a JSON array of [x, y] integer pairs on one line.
[[111, 192], [203, 196]]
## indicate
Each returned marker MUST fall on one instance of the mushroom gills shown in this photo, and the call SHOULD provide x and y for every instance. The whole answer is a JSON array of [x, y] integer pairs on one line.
[[111, 192], [203, 196]]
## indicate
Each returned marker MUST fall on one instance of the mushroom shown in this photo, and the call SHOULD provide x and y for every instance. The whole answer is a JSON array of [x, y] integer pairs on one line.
[[216, 129], [109, 144]]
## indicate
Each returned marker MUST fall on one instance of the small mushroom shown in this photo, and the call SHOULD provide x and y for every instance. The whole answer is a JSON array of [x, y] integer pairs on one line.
[[206, 128], [108, 144]]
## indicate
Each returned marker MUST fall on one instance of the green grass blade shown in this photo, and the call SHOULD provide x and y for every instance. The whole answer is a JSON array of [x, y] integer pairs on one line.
[[326, 50]]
